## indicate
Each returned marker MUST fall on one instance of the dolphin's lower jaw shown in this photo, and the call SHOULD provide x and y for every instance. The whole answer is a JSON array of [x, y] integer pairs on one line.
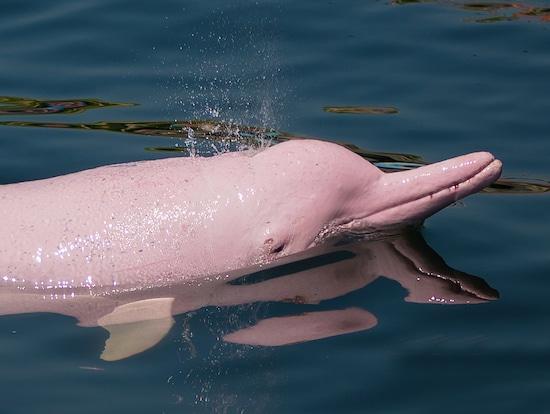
[[356, 230]]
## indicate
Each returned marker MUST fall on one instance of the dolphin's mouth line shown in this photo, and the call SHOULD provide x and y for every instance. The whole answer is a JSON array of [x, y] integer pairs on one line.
[[484, 168], [361, 224]]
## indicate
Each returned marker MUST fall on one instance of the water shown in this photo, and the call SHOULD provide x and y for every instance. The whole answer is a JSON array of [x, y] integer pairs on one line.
[[460, 79]]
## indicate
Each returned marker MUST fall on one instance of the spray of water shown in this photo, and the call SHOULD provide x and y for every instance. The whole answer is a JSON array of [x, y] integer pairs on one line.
[[227, 72]]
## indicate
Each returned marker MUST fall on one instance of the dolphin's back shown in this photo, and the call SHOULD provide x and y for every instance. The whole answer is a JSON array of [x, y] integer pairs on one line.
[[105, 225]]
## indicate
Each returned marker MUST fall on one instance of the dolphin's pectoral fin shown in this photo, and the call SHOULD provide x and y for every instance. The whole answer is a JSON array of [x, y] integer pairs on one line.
[[306, 327], [126, 340], [135, 327]]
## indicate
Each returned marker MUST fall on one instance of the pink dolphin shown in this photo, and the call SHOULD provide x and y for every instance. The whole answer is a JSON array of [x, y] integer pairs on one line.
[[154, 222]]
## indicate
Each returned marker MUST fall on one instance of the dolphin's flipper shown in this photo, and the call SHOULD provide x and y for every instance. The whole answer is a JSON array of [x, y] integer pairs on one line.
[[135, 327], [288, 330]]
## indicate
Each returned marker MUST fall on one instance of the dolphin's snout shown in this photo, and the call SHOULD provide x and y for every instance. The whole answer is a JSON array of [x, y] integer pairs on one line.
[[413, 195], [423, 181]]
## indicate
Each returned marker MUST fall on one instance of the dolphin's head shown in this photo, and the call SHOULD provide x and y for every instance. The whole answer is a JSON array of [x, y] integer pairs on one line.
[[321, 190]]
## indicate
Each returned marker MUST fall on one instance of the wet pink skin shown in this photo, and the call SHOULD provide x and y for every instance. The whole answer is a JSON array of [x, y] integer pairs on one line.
[[155, 222]]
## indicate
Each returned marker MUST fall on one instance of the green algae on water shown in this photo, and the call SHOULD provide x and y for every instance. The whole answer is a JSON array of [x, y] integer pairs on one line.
[[11, 105], [361, 110]]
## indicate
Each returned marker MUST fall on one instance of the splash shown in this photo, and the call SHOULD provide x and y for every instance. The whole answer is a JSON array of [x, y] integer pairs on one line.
[[209, 68]]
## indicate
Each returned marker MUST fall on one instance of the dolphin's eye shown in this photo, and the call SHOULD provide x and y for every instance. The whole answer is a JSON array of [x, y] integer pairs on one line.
[[278, 248], [275, 247]]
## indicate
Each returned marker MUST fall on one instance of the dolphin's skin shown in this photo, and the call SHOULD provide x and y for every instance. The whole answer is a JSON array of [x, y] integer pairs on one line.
[[154, 222]]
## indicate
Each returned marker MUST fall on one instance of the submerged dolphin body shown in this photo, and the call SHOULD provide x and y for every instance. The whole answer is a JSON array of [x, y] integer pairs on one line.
[[155, 222]]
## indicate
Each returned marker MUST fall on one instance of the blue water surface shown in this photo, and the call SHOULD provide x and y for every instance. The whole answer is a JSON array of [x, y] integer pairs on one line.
[[463, 79]]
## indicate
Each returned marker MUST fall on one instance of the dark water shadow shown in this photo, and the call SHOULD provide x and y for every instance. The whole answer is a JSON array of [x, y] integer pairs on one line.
[[208, 137]]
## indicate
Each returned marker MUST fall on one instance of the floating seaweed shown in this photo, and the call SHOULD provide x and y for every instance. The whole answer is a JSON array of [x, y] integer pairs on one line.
[[176, 129], [196, 137], [362, 110], [495, 19], [10, 105], [511, 11], [518, 186], [486, 7], [542, 12], [412, 1], [207, 130]]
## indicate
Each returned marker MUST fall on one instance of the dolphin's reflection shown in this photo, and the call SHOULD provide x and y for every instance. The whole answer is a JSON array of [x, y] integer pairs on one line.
[[406, 258], [138, 318], [308, 278]]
